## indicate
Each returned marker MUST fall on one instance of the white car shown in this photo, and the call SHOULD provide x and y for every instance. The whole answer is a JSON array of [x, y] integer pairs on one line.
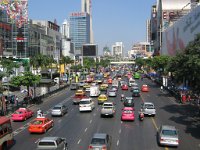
[[148, 108], [86, 104], [112, 93]]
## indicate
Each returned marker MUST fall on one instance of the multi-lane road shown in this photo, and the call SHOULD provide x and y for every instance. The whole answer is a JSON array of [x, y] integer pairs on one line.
[[78, 128]]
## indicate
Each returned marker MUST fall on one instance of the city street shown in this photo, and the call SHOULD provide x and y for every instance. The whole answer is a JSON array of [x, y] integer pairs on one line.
[[78, 128]]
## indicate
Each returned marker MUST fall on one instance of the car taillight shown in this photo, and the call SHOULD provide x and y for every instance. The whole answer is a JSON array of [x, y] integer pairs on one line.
[[161, 139], [177, 141], [90, 147], [104, 147]]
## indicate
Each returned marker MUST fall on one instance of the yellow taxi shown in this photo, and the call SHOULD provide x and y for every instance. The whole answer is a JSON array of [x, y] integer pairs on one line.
[[102, 98], [80, 92], [103, 86], [86, 85]]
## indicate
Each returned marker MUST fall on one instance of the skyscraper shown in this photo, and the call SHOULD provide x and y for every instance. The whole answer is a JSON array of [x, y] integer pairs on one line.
[[79, 30], [87, 8]]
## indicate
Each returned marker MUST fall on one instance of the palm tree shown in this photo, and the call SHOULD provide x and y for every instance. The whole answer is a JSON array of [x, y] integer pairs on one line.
[[37, 61], [66, 60]]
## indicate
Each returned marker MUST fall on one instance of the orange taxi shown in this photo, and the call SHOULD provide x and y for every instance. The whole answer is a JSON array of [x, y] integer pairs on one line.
[[109, 81], [145, 88], [40, 125]]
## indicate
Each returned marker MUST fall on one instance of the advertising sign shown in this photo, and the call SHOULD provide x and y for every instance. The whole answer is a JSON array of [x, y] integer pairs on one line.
[[176, 37]]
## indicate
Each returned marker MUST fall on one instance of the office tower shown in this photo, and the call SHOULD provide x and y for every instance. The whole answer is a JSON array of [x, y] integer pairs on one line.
[[79, 30], [87, 7]]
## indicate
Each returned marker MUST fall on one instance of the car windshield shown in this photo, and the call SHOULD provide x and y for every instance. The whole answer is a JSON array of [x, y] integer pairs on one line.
[[98, 141], [131, 81], [169, 132], [37, 122], [84, 102], [107, 105], [57, 108]]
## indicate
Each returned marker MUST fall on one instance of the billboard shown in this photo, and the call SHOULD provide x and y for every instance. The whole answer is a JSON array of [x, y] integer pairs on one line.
[[176, 37], [89, 50]]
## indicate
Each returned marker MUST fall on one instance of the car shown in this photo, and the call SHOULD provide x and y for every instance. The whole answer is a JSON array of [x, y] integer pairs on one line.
[[100, 141], [128, 114], [77, 98], [115, 88], [81, 83], [102, 98], [109, 81], [74, 86], [86, 104], [136, 92], [40, 125], [103, 87], [148, 108], [112, 93], [145, 88], [108, 109], [124, 87], [128, 102], [131, 82], [59, 110], [80, 92], [134, 87], [168, 136], [52, 143], [22, 114], [136, 75], [87, 87]]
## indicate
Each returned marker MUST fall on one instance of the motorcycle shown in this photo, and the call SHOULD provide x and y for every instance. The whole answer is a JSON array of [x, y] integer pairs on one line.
[[141, 116], [122, 97]]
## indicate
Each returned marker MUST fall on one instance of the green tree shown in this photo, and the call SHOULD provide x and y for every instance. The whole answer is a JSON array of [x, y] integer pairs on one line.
[[26, 79], [66, 60], [9, 65]]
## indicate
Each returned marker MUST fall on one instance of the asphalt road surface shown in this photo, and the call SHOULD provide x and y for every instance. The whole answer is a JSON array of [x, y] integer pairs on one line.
[[78, 128]]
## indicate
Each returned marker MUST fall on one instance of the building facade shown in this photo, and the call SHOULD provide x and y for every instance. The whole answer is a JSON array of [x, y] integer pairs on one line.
[[117, 49], [79, 30]]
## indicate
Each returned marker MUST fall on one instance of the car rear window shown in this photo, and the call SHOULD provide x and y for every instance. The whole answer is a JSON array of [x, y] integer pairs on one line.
[[98, 141], [128, 111], [18, 112], [169, 132], [149, 106], [37, 122], [46, 143], [84, 102], [57, 108]]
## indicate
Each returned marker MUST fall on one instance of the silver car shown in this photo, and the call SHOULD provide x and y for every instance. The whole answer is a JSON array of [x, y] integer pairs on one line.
[[148, 108], [100, 141], [112, 93], [168, 136], [59, 110], [52, 143]]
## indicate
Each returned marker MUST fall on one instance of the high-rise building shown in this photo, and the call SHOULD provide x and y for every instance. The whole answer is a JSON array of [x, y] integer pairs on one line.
[[148, 30], [117, 49], [86, 6], [79, 30]]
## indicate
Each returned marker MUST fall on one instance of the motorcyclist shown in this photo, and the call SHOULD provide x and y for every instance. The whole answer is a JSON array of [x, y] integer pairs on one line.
[[122, 97], [141, 115], [39, 113]]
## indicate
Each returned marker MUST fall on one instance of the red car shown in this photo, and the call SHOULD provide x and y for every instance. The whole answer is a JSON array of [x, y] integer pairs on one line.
[[22, 114], [40, 125], [128, 114], [124, 87], [145, 88], [109, 81]]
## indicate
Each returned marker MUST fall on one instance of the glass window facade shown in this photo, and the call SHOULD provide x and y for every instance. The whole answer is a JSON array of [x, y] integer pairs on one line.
[[79, 30]]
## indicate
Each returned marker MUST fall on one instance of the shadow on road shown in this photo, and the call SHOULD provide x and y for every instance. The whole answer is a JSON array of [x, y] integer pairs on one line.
[[186, 115]]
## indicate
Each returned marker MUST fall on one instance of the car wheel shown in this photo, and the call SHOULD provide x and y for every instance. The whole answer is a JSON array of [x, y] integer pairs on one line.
[[45, 130]]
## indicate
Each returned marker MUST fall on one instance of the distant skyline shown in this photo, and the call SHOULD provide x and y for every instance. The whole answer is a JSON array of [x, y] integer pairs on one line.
[[113, 20]]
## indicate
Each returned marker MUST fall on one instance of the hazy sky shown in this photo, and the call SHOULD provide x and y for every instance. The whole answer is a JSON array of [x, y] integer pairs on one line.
[[113, 20]]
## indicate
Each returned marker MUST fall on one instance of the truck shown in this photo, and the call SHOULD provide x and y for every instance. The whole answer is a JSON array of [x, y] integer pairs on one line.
[[108, 109], [94, 91]]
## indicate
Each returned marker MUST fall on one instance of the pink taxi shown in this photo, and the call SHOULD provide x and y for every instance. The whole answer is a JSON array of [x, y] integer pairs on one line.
[[128, 114], [22, 114]]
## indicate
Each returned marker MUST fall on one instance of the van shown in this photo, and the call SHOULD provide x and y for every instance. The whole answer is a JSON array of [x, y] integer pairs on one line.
[[86, 104]]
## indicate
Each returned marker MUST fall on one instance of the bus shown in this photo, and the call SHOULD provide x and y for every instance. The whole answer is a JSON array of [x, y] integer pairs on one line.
[[6, 135]]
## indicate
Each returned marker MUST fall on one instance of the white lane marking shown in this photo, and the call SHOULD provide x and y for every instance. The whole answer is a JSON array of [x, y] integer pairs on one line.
[[79, 141], [86, 129], [97, 109], [72, 109], [59, 121], [37, 141], [94, 114], [117, 142], [120, 131], [121, 122], [90, 121]]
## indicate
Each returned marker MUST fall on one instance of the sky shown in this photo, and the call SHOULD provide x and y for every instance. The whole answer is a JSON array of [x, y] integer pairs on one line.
[[113, 20]]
